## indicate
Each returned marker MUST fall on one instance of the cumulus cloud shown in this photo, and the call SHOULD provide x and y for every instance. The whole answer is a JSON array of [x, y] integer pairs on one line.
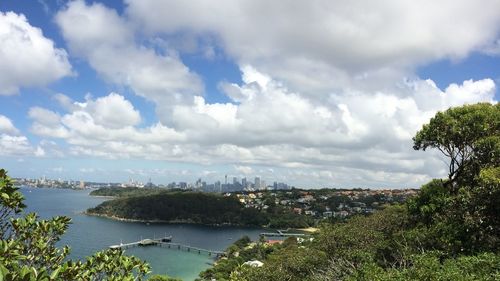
[[277, 128], [245, 170], [12, 143], [6, 126], [107, 124], [106, 40], [319, 45], [27, 57], [113, 111], [329, 90]]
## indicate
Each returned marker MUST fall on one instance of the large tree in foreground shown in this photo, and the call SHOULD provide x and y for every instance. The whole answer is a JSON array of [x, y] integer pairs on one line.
[[462, 211], [28, 247], [467, 135]]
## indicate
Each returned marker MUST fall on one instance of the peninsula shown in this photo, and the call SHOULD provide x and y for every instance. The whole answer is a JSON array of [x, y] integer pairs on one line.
[[194, 207]]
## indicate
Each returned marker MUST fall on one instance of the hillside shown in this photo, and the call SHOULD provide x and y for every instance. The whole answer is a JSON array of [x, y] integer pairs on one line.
[[124, 191], [194, 207], [449, 231]]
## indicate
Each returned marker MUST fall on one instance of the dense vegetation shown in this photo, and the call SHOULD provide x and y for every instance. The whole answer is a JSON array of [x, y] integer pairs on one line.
[[195, 207], [450, 231], [28, 250], [124, 191]]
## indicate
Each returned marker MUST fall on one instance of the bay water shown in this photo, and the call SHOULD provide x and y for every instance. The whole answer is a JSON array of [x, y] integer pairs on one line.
[[89, 234]]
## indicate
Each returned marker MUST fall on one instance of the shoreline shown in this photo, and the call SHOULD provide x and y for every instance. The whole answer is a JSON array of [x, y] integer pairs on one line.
[[103, 196], [309, 230], [167, 222]]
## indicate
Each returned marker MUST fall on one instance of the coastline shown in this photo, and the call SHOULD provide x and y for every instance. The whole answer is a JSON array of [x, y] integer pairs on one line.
[[125, 219], [103, 196], [167, 221], [308, 229]]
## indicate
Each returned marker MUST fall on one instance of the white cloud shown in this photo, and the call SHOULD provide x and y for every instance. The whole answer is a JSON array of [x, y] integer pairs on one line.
[[320, 45], [493, 49], [14, 145], [113, 111], [245, 170], [159, 77], [27, 57], [329, 92], [364, 132], [7, 127]]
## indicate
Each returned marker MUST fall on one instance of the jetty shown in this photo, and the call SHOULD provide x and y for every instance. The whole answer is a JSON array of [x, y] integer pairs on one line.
[[281, 233], [165, 242]]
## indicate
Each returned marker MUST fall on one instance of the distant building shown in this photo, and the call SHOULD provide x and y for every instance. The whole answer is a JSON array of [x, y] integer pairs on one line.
[[82, 184], [257, 183]]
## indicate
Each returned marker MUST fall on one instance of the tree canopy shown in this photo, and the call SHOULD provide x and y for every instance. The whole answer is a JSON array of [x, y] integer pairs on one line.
[[449, 231], [28, 247], [462, 134]]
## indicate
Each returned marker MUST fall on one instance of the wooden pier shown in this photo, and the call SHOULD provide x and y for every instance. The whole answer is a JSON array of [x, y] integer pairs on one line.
[[281, 233], [165, 242], [178, 246]]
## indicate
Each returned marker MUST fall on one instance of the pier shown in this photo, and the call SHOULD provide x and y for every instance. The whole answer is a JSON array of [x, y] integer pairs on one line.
[[281, 233], [165, 242]]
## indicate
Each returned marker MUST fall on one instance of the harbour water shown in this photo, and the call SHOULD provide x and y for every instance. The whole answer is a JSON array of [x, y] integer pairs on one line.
[[88, 234]]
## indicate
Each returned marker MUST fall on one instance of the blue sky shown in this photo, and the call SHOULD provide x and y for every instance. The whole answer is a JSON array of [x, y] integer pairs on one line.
[[313, 94]]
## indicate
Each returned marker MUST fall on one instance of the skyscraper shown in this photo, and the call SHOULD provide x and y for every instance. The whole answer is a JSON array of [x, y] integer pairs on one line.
[[257, 182]]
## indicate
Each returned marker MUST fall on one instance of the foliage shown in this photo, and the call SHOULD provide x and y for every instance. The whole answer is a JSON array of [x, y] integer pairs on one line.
[[291, 263], [239, 252], [457, 133], [431, 200], [450, 231], [162, 278], [28, 247], [125, 191], [195, 207], [429, 266]]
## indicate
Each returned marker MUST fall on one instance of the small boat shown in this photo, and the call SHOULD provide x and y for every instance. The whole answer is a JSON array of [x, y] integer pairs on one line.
[[166, 239]]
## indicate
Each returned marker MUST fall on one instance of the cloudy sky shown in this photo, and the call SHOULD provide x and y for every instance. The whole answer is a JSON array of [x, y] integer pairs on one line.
[[315, 93]]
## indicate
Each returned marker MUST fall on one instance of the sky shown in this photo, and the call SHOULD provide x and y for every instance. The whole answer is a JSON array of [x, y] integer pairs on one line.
[[320, 93]]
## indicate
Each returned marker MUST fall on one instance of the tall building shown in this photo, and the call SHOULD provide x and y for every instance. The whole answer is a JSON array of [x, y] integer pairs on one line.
[[257, 182], [235, 181], [82, 184], [244, 182], [225, 182]]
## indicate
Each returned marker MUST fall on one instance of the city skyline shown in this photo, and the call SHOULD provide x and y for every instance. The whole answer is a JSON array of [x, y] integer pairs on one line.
[[321, 93], [237, 184]]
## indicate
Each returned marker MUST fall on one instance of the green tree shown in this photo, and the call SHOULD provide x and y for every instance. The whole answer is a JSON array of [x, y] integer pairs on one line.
[[162, 278], [459, 133], [460, 215], [28, 247]]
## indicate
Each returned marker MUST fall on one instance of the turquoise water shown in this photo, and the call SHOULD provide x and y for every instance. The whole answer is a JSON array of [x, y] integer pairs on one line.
[[88, 234]]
